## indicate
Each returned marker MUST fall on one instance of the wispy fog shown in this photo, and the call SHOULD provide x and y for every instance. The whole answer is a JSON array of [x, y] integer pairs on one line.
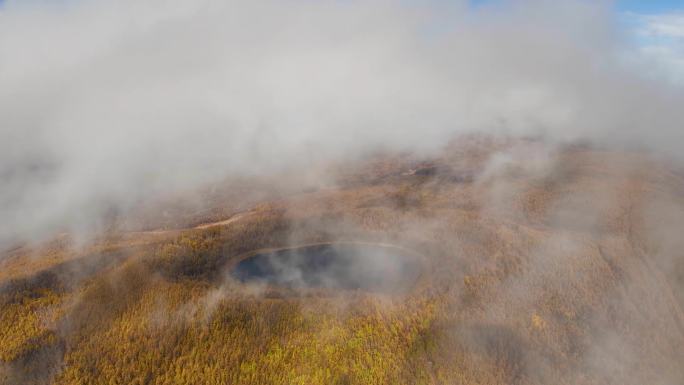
[[103, 103]]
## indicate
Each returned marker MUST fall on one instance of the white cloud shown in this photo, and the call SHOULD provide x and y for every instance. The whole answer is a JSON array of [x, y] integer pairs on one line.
[[661, 40], [103, 103], [665, 25]]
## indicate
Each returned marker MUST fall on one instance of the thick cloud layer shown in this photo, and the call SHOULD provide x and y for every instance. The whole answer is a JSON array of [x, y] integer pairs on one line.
[[103, 103]]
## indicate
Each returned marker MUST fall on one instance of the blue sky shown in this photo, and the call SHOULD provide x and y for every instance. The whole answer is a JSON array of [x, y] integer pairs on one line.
[[655, 29], [650, 6]]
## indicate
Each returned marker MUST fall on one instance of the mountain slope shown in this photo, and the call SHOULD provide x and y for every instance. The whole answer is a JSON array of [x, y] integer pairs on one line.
[[540, 266]]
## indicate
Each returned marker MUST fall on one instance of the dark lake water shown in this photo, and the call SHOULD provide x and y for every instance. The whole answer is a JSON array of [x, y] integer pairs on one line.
[[334, 266]]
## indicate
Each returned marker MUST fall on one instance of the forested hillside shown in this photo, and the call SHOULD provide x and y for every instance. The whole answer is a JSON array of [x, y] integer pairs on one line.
[[554, 275]]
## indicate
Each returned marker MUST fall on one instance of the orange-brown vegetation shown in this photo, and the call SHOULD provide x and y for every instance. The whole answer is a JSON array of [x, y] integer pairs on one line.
[[555, 275]]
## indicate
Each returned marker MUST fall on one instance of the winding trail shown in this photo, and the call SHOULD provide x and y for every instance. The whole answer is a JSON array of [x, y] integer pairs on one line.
[[203, 226], [234, 218]]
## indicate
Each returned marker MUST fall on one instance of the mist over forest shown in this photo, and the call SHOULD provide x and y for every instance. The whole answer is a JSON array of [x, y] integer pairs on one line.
[[341, 192]]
